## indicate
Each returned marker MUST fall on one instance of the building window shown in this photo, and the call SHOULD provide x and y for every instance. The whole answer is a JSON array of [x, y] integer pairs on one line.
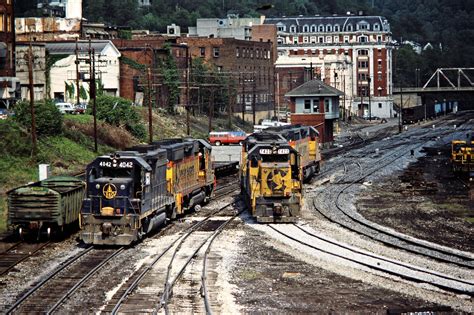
[[379, 76], [9, 23], [280, 41], [321, 40], [376, 27], [312, 39], [328, 39], [362, 76], [2, 22], [281, 28], [316, 106], [307, 106], [349, 28], [336, 39], [237, 52], [327, 105], [202, 51], [321, 28], [328, 28], [380, 105], [313, 28], [215, 52], [363, 52], [363, 39], [363, 26], [295, 40], [251, 52], [292, 29], [346, 39], [305, 28], [379, 38], [336, 28], [363, 64], [305, 39]]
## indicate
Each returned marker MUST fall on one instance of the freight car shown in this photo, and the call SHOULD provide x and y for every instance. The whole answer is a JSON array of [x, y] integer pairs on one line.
[[411, 115], [271, 178], [305, 140], [45, 206], [133, 192]]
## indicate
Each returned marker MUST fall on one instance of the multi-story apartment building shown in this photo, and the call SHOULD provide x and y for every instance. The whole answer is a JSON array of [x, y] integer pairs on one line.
[[351, 53], [9, 89]]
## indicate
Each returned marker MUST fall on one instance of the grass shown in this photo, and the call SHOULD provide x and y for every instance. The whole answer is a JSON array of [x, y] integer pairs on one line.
[[83, 119]]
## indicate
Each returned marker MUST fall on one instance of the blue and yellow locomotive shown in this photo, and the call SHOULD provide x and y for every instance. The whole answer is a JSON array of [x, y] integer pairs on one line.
[[131, 193], [271, 178]]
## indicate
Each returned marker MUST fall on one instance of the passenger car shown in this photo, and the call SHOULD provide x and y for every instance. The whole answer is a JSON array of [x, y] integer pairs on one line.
[[65, 108], [80, 109], [227, 137]]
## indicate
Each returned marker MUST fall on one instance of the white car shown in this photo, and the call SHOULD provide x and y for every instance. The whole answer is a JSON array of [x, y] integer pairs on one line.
[[65, 108]]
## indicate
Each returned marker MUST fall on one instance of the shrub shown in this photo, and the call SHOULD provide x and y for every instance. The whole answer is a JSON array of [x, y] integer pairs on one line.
[[119, 112], [13, 139], [48, 119]]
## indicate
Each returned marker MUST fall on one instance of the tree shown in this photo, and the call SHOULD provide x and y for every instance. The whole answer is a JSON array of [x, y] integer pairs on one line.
[[119, 112], [49, 120]]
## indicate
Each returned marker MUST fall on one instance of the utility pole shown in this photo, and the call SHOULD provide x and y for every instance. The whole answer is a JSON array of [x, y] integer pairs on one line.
[[243, 98], [370, 104], [150, 114], [254, 97], [400, 121], [344, 96], [188, 131], [92, 90], [77, 72], [32, 102], [230, 103], [211, 109]]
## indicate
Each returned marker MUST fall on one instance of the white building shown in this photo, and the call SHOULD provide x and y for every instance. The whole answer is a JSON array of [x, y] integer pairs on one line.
[[64, 72], [350, 53]]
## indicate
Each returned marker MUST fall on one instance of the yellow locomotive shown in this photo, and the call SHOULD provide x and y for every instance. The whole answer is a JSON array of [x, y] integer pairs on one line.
[[271, 178], [462, 156], [305, 140]]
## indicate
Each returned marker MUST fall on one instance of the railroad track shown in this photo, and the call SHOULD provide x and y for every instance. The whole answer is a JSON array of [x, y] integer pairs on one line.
[[355, 222], [226, 189], [364, 259], [48, 294], [151, 287], [18, 253]]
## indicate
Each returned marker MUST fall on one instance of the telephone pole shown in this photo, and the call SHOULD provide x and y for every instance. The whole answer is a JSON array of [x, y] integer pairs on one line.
[[243, 98], [150, 116], [188, 128], [77, 73], [92, 90], [254, 96], [32, 101], [211, 109], [230, 103]]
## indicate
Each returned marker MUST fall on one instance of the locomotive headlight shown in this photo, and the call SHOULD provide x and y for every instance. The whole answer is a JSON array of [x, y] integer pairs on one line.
[[122, 187], [97, 186]]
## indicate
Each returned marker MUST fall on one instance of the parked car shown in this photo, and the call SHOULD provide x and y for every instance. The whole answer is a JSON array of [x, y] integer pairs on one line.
[[227, 137], [80, 109], [65, 108], [3, 113]]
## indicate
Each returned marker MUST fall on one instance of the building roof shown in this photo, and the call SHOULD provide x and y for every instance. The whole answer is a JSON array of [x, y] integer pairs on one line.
[[69, 47], [314, 88], [342, 21]]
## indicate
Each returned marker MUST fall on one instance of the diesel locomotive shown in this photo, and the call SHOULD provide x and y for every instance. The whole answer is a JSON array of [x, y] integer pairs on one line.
[[305, 140], [131, 193], [462, 156], [271, 178]]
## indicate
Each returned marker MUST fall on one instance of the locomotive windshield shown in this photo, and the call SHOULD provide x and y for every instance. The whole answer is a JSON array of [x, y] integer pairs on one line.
[[115, 173], [275, 158]]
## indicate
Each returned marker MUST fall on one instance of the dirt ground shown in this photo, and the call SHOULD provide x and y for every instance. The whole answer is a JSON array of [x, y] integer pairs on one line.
[[426, 200], [270, 281]]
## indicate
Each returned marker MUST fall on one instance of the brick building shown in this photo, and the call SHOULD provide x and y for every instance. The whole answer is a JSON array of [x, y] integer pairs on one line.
[[350, 53], [9, 89], [315, 104]]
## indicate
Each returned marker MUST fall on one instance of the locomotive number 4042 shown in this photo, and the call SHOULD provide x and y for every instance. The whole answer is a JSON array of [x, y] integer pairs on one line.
[[119, 165]]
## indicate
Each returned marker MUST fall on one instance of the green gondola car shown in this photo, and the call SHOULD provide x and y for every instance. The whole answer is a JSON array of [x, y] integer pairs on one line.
[[46, 206]]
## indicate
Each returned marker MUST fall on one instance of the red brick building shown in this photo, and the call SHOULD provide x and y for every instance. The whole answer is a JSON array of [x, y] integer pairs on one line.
[[9, 87], [315, 103]]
